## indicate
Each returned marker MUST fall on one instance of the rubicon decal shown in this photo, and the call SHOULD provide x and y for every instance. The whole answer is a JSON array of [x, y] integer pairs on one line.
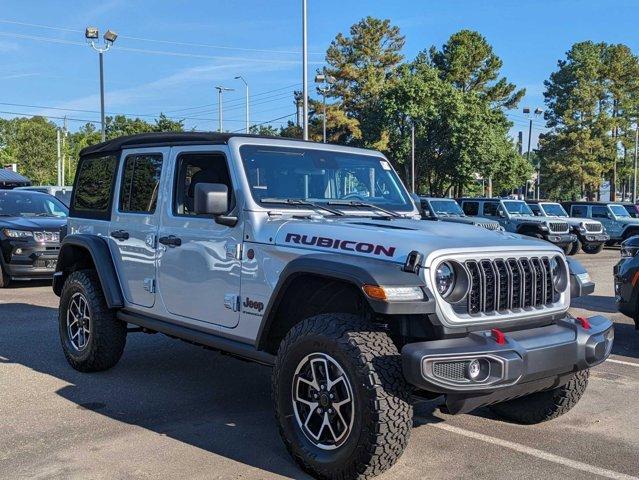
[[337, 244]]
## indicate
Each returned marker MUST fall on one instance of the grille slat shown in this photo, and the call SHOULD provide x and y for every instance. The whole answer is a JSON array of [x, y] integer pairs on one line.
[[558, 227], [509, 284], [593, 227]]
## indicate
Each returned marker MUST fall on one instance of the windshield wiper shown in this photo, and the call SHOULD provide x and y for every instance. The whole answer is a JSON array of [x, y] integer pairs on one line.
[[356, 203], [299, 201]]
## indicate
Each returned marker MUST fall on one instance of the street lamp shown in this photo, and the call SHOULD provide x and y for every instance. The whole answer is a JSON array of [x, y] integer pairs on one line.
[[327, 80], [92, 34], [538, 111], [304, 72], [248, 125], [221, 89]]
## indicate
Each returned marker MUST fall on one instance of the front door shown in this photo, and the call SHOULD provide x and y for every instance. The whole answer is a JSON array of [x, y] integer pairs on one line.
[[199, 260], [134, 224]]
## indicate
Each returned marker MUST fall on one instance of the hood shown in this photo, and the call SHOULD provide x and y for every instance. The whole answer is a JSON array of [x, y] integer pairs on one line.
[[469, 220], [51, 224], [393, 240]]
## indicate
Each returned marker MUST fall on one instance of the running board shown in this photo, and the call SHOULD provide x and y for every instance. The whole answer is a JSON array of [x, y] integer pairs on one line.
[[225, 345]]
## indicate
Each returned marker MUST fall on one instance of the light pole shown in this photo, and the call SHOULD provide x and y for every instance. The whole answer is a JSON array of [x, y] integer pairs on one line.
[[221, 89], [328, 80], [634, 179], [248, 124], [538, 111], [92, 34], [304, 72], [412, 154]]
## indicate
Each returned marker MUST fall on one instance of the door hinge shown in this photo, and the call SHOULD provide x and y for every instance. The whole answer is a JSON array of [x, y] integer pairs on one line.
[[232, 302], [149, 285]]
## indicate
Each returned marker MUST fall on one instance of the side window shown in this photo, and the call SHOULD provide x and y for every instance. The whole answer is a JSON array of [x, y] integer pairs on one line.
[[599, 211], [535, 209], [93, 186], [140, 183], [194, 168], [471, 208], [579, 211], [426, 211], [490, 209]]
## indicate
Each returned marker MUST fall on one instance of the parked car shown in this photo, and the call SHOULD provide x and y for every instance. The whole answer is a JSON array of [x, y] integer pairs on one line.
[[448, 210], [312, 258], [619, 224], [61, 193], [626, 276], [517, 217], [30, 224], [631, 208], [590, 234]]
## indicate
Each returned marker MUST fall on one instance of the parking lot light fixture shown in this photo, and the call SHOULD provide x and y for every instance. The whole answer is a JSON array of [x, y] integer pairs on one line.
[[327, 81], [220, 89], [92, 34]]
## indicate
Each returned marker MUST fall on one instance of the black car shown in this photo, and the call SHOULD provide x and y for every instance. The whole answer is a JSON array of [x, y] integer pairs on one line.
[[626, 275], [30, 224]]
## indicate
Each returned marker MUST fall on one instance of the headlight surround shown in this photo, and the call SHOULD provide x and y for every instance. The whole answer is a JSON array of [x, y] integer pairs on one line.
[[10, 233], [559, 274], [445, 279], [451, 281]]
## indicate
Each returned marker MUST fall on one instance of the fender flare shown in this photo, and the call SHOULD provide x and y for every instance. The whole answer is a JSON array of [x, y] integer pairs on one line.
[[630, 228], [529, 226], [358, 271], [98, 249]]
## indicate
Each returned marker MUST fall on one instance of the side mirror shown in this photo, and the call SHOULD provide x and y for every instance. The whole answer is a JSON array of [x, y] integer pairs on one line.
[[213, 199]]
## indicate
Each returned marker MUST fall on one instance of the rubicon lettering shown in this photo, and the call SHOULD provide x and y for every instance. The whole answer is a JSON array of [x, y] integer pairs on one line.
[[348, 245]]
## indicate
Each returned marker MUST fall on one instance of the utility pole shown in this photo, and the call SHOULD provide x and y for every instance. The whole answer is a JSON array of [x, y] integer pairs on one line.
[[57, 131], [527, 112], [248, 124], [634, 179], [304, 71], [412, 154], [64, 149], [221, 89]]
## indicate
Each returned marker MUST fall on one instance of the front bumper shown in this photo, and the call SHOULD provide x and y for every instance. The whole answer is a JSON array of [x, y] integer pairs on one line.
[[560, 239], [595, 238], [29, 259], [528, 361]]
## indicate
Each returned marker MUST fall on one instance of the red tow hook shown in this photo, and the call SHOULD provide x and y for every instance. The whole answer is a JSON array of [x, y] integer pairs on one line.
[[583, 321], [499, 336]]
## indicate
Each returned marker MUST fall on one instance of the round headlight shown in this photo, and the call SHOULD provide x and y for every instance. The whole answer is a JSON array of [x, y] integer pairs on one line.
[[445, 279], [558, 272]]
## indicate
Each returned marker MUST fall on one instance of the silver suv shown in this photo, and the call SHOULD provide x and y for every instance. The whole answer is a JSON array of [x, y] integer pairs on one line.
[[619, 224], [517, 217], [311, 258], [448, 210]]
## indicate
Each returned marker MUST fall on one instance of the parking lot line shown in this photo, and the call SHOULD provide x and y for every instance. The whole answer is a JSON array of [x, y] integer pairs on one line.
[[550, 457], [621, 362]]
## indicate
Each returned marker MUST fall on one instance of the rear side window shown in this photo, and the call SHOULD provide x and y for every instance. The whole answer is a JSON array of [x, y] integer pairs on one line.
[[92, 193], [579, 211], [535, 208], [599, 211], [490, 209], [140, 183], [471, 208]]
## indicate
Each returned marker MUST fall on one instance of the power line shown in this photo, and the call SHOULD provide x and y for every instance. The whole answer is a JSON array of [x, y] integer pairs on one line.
[[268, 121]]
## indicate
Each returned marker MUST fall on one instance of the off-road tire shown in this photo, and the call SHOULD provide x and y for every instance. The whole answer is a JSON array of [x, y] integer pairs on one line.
[[5, 279], [592, 249], [108, 334], [383, 412], [574, 247], [547, 405]]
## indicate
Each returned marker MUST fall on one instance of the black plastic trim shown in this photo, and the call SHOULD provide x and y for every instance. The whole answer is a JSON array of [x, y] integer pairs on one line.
[[578, 288], [101, 256]]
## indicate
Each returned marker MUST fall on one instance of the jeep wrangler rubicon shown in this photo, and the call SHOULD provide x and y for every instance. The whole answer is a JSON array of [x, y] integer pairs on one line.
[[311, 258]]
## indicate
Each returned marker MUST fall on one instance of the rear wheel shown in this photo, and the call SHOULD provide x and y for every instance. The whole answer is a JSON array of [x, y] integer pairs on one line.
[[547, 405], [341, 401], [92, 337], [592, 249]]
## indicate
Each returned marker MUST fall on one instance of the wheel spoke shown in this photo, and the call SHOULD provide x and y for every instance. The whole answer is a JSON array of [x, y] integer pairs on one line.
[[310, 383]]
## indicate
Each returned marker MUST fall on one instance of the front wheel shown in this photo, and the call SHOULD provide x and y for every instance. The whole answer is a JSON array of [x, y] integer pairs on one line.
[[593, 249], [341, 400], [574, 247], [547, 405]]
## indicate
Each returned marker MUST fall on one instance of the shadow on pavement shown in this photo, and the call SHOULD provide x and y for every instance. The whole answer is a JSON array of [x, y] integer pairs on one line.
[[199, 397], [626, 340], [595, 303]]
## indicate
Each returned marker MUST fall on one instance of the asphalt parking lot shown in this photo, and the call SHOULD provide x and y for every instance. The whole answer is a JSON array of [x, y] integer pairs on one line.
[[172, 410]]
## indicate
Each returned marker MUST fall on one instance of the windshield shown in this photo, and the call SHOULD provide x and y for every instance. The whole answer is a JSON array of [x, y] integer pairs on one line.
[[23, 204], [619, 211], [554, 210], [323, 176], [446, 208], [518, 208]]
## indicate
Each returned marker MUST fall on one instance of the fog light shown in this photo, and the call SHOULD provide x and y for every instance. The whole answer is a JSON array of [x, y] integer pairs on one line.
[[18, 251], [474, 369]]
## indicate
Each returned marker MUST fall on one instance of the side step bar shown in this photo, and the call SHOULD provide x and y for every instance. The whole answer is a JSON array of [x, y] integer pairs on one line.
[[226, 345]]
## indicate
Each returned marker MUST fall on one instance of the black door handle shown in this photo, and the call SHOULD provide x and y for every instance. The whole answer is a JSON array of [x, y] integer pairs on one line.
[[171, 241], [120, 235]]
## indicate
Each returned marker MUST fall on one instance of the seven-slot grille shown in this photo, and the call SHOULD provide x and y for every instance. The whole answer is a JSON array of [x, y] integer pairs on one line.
[[489, 226], [593, 227], [509, 284], [558, 227]]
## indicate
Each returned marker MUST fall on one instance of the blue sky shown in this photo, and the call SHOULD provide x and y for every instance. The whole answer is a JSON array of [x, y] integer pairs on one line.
[[170, 55]]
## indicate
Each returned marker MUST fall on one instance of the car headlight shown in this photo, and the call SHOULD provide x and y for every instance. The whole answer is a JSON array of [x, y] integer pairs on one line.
[[559, 274], [17, 233], [628, 251], [444, 279], [543, 226]]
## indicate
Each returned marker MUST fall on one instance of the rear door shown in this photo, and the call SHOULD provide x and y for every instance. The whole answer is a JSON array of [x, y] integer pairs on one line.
[[134, 223]]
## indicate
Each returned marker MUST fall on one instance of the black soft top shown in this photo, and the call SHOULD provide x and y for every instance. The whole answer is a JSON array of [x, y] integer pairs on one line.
[[160, 139]]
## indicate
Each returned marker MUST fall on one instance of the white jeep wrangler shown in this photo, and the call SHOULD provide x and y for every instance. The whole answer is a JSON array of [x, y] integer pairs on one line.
[[312, 258]]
